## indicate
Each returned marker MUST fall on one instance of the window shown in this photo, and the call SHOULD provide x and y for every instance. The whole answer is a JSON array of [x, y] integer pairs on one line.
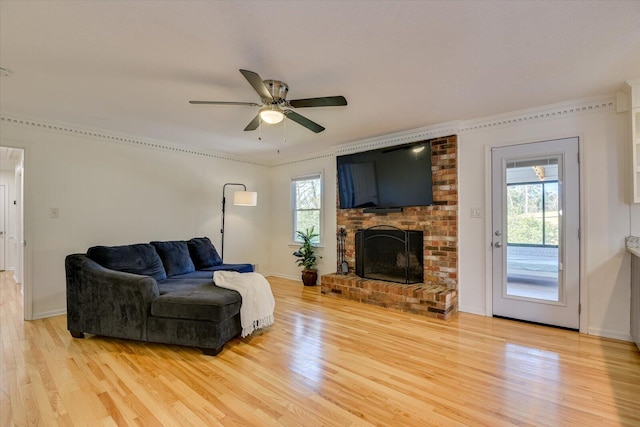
[[307, 204], [533, 214]]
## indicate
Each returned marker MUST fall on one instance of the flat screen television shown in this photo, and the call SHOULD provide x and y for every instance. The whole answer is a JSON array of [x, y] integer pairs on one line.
[[386, 178]]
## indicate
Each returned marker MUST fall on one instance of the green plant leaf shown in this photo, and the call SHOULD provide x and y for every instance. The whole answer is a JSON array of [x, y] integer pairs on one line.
[[306, 253]]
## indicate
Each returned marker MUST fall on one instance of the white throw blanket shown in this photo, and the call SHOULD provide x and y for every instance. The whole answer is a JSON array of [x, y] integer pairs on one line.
[[256, 311]]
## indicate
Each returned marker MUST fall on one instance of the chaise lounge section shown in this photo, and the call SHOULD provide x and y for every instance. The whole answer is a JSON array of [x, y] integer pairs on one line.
[[159, 292]]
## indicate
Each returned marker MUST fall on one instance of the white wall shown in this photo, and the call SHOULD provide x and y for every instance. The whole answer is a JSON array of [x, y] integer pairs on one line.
[[634, 214], [109, 193], [282, 262], [606, 214]]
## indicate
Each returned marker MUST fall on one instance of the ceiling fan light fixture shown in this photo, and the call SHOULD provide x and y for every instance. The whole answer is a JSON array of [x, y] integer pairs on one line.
[[273, 97], [272, 115]]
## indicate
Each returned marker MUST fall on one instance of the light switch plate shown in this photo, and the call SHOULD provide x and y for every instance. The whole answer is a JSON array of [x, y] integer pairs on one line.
[[476, 213]]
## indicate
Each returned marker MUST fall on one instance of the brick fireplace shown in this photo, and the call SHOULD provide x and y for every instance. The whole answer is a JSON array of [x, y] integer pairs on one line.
[[438, 295]]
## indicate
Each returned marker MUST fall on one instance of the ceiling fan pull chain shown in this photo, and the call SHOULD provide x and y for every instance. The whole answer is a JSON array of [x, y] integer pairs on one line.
[[260, 130], [284, 131]]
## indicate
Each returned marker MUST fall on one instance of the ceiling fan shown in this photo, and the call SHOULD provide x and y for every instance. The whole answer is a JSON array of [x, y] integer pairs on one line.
[[273, 96]]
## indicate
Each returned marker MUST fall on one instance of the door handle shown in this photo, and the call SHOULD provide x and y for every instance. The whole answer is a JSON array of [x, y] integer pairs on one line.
[[498, 244]]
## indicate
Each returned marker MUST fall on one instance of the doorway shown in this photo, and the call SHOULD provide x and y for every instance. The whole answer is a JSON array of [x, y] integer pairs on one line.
[[535, 232], [3, 225], [12, 216]]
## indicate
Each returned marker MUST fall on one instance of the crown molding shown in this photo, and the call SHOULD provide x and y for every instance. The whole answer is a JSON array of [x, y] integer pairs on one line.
[[536, 114], [119, 139], [514, 118], [429, 132], [304, 158], [458, 127]]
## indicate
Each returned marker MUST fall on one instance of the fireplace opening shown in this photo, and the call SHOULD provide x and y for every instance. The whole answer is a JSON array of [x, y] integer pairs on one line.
[[390, 254]]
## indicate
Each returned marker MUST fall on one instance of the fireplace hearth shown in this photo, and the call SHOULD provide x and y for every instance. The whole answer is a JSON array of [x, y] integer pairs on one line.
[[390, 254]]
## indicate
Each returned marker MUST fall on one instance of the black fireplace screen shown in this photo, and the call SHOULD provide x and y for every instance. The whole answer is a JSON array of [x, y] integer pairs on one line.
[[390, 254]]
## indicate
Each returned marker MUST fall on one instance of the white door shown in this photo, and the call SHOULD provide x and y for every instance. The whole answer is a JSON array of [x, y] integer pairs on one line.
[[3, 223], [536, 226]]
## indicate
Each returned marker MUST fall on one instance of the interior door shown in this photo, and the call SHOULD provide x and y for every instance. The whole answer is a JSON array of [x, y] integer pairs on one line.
[[3, 222], [536, 226]]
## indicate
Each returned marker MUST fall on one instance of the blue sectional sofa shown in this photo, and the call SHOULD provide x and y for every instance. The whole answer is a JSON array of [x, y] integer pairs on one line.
[[159, 292]]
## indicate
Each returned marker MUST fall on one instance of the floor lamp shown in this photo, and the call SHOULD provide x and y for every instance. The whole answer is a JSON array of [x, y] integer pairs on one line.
[[240, 198]]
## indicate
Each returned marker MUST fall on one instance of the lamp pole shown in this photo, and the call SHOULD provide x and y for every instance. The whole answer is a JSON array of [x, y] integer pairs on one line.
[[224, 201]]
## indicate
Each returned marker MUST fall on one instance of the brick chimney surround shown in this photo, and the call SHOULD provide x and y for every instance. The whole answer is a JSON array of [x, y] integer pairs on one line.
[[438, 295]]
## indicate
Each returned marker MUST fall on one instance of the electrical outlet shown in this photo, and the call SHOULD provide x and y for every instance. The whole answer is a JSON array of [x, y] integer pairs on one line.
[[476, 213], [54, 213]]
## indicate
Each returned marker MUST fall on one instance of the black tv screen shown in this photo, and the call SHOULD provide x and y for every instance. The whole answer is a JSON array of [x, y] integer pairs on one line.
[[391, 177]]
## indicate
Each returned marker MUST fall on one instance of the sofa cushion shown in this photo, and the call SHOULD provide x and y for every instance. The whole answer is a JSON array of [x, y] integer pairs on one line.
[[203, 302], [198, 274], [140, 258], [181, 282], [240, 268], [175, 257], [203, 253]]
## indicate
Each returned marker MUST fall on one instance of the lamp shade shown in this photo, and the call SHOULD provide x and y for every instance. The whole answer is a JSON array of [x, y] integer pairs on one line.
[[245, 198]]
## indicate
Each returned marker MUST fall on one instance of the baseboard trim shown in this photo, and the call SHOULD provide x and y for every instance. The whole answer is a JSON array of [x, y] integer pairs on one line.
[[287, 276], [608, 333], [50, 313], [471, 310]]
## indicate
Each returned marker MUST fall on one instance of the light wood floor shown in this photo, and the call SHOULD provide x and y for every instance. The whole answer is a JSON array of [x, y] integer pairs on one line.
[[325, 362]]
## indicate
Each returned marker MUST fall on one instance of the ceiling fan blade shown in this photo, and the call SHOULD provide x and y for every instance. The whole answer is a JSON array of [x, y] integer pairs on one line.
[[253, 125], [251, 104], [256, 82], [327, 101], [301, 120]]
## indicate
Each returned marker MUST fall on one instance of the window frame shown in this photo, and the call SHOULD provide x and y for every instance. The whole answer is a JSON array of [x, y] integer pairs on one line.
[[304, 177], [544, 211]]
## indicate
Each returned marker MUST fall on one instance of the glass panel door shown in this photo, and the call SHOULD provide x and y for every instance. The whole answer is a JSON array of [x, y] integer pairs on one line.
[[535, 221], [532, 229]]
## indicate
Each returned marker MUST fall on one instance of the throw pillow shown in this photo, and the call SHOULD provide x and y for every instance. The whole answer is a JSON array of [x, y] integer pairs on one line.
[[203, 253], [175, 257], [140, 258]]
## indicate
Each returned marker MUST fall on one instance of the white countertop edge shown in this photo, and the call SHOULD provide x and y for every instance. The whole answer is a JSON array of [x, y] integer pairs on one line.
[[633, 245]]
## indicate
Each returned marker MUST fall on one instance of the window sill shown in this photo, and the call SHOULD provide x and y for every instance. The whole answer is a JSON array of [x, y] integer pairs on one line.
[[300, 244]]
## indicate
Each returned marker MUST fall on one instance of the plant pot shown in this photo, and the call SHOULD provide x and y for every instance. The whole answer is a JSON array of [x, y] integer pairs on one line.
[[309, 277]]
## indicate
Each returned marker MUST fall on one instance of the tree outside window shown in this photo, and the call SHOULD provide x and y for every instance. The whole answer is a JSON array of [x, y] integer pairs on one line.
[[307, 205], [532, 210]]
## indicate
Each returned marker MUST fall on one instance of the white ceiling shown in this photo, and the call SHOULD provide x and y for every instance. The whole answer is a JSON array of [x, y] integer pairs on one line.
[[130, 67]]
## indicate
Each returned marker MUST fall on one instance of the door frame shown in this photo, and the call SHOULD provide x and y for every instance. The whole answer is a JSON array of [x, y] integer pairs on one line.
[[488, 227], [24, 255], [4, 207]]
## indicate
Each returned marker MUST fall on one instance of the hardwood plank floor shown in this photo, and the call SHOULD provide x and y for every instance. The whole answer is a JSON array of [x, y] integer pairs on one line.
[[326, 361]]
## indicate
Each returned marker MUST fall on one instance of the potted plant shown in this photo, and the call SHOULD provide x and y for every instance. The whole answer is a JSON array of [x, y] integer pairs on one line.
[[307, 258]]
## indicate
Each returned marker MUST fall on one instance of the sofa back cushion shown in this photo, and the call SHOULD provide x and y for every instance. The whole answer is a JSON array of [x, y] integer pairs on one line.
[[140, 258], [203, 253], [175, 257]]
